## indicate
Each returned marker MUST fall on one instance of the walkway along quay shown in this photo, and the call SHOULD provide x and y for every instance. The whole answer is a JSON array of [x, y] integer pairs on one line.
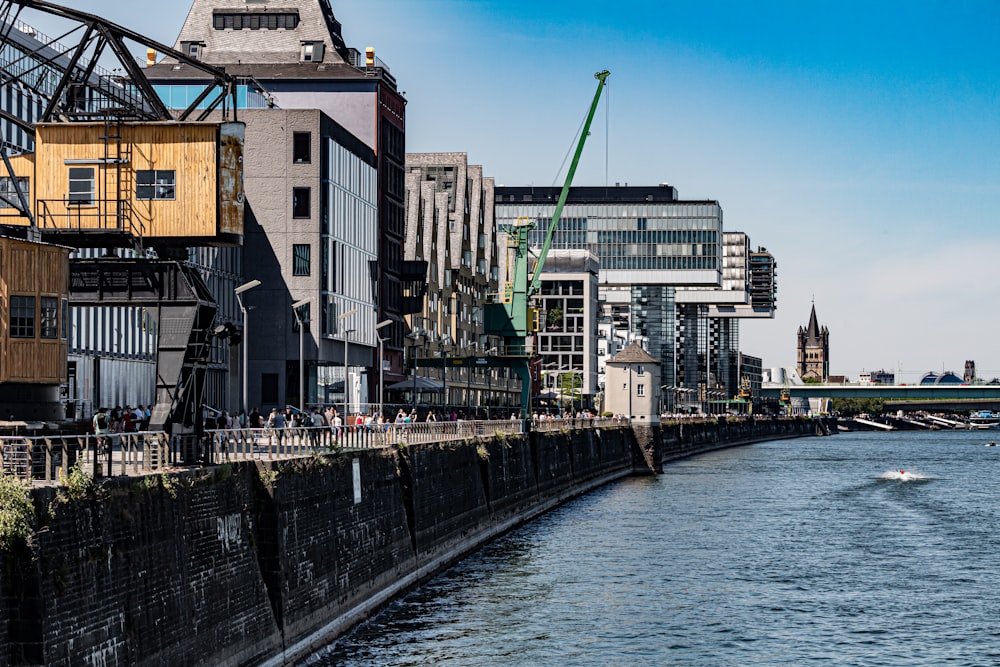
[[262, 560]]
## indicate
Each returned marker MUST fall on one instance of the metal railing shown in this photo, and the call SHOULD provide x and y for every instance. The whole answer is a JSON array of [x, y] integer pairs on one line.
[[545, 425], [49, 458], [93, 215]]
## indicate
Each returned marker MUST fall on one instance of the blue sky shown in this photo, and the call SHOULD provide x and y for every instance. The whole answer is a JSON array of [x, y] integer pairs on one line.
[[859, 142]]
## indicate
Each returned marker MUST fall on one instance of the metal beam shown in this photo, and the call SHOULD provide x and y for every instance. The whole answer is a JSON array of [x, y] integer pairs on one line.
[[182, 306]]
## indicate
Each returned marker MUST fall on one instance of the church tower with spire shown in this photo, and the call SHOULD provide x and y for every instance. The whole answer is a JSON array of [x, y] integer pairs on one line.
[[814, 350]]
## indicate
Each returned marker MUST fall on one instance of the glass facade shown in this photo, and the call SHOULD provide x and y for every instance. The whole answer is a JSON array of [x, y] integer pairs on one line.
[[349, 239], [650, 244], [630, 237], [179, 97]]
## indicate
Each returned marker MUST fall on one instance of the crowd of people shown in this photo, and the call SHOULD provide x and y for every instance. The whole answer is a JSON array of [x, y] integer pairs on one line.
[[331, 418], [121, 420], [127, 420]]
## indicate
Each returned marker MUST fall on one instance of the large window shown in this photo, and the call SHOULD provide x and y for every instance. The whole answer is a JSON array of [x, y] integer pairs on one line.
[[155, 184], [256, 21], [50, 317], [81, 185], [300, 203], [300, 259], [22, 317]]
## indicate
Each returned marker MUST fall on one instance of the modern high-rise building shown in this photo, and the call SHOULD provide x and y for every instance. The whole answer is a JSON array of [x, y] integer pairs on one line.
[[670, 278], [450, 231], [293, 56], [565, 341]]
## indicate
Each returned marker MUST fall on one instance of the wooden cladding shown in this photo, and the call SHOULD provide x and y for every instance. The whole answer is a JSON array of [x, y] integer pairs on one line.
[[157, 181], [34, 288]]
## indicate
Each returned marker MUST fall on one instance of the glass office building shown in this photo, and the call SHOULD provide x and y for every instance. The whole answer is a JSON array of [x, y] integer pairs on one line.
[[660, 278]]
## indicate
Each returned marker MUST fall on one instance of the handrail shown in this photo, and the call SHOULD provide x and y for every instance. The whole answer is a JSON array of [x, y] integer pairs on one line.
[[48, 458], [100, 212]]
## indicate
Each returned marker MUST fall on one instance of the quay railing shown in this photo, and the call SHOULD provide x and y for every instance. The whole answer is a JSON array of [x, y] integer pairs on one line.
[[546, 425], [50, 458]]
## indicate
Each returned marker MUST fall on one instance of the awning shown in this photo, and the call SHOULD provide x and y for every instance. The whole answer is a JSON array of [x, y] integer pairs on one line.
[[421, 383]]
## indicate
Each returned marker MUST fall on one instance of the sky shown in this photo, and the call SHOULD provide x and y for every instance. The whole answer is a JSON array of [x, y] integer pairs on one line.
[[858, 142]]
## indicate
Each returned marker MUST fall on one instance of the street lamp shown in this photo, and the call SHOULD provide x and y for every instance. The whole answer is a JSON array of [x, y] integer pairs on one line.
[[443, 343], [381, 363], [297, 311], [347, 340], [246, 337], [413, 336], [489, 382]]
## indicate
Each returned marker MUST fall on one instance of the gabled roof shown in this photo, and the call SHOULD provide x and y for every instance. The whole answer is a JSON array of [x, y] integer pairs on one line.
[[633, 354]]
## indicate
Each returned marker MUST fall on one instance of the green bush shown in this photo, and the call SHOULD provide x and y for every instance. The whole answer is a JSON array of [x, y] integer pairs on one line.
[[17, 512]]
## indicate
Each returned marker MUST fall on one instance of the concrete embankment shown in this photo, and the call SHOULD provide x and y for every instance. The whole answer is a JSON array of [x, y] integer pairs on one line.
[[262, 563]]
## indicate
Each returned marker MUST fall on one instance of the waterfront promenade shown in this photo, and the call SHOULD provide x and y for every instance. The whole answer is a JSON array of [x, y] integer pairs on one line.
[[261, 558], [47, 458]]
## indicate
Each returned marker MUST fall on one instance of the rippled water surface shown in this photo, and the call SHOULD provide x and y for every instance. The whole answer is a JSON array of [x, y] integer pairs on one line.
[[785, 553]]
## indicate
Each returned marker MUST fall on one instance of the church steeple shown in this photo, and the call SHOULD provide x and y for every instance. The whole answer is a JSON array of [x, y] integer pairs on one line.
[[812, 331], [814, 349]]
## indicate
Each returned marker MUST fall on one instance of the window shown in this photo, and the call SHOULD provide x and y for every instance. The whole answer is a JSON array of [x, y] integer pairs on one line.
[[65, 319], [81, 185], [50, 317], [22, 317], [640, 371], [192, 49], [312, 52], [300, 202], [640, 390], [154, 184], [301, 147], [300, 259], [8, 196], [256, 21]]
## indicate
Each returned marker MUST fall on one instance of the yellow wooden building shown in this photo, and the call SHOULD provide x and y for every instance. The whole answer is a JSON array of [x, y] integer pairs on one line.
[[34, 287], [164, 183]]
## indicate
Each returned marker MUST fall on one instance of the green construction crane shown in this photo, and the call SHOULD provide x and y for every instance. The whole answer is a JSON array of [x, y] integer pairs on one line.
[[511, 318]]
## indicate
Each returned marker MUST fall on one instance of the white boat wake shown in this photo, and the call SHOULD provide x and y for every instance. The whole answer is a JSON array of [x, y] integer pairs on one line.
[[903, 475]]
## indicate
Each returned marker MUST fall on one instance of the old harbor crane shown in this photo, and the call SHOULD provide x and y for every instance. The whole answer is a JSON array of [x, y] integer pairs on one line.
[[120, 149], [513, 316]]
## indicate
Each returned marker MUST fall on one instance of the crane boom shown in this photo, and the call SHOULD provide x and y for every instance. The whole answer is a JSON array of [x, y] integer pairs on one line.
[[510, 319], [536, 277]]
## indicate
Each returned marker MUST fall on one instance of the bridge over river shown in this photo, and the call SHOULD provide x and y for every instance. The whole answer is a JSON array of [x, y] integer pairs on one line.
[[902, 397]]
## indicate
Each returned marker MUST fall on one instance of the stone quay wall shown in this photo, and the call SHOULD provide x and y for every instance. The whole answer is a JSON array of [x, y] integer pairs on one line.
[[264, 562]]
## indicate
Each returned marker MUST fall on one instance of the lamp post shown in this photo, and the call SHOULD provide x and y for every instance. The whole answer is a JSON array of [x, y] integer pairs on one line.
[[246, 337], [347, 340], [444, 342], [489, 382], [381, 362], [413, 336], [297, 311]]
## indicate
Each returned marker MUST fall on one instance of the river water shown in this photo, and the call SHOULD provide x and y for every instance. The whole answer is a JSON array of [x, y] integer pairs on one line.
[[793, 552]]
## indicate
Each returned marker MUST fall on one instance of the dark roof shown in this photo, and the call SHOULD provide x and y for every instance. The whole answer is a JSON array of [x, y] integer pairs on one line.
[[586, 194], [633, 354], [287, 71]]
